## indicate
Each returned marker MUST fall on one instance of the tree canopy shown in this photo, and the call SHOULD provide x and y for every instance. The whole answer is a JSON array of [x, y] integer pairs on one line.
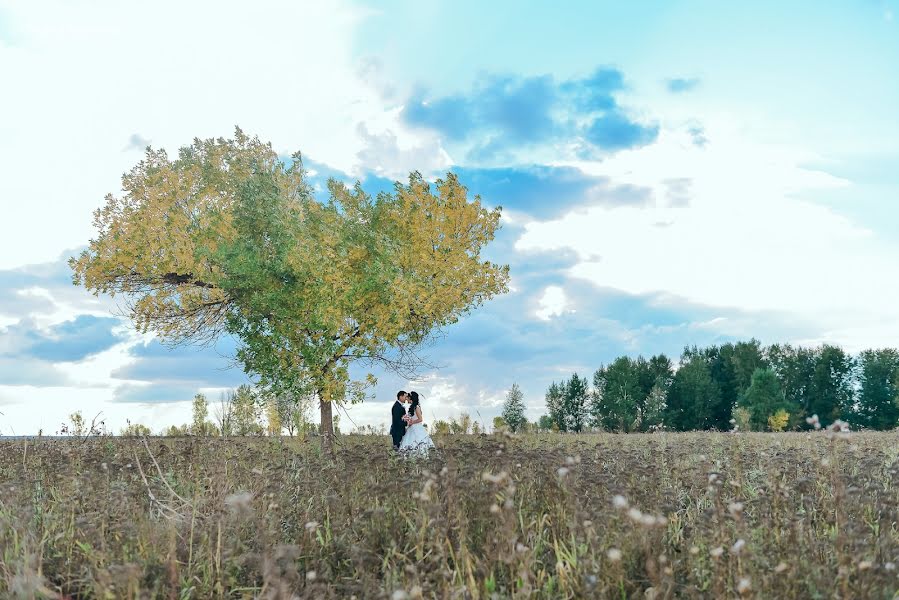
[[229, 238]]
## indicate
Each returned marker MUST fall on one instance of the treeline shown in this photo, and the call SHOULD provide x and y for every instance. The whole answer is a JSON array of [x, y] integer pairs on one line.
[[242, 411], [742, 386]]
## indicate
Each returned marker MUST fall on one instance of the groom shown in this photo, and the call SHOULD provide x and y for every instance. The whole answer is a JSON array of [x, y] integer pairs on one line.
[[398, 425]]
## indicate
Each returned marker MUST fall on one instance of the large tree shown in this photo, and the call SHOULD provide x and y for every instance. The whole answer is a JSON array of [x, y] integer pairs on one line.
[[513, 409], [763, 398], [575, 393], [617, 392], [832, 392], [555, 410], [693, 395], [795, 370], [878, 397], [228, 238]]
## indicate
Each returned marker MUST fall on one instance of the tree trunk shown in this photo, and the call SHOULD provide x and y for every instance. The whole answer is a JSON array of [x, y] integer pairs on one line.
[[326, 428]]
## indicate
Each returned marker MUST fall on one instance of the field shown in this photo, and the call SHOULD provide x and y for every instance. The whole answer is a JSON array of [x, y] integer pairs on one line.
[[703, 515]]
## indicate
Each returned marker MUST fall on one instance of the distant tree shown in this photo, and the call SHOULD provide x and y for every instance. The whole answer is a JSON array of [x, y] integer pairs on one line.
[[200, 410], [554, 406], [79, 427], [292, 409], [441, 427], [779, 420], [273, 425], [652, 415], [616, 392], [224, 413], [878, 395], [692, 395], [135, 430], [745, 358], [764, 398], [247, 412], [547, 423], [499, 424], [461, 425], [629, 394], [176, 430], [795, 369], [513, 409], [832, 386], [575, 394]]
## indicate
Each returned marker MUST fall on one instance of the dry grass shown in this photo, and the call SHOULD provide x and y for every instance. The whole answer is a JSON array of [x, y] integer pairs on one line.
[[698, 516]]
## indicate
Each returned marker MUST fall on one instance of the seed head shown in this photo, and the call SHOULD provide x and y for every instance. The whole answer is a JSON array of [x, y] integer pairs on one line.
[[716, 552], [839, 426], [737, 547], [781, 567], [239, 501], [614, 554], [864, 565], [735, 509], [744, 586], [619, 501], [563, 471]]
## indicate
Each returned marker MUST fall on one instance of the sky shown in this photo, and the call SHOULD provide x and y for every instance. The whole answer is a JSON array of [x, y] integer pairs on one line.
[[671, 173]]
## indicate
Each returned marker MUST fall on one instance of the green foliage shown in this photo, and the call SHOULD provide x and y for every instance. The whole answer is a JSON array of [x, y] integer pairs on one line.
[[693, 395], [461, 424], [878, 397], [554, 406], [247, 412], [779, 420], [175, 431], [441, 427], [513, 409], [200, 426], [710, 389], [575, 394], [630, 394], [547, 423], [764, 398], [135, 430], [616, 390], [229, 238]]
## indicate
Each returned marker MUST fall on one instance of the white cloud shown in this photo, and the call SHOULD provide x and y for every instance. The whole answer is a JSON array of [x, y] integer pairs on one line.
[[745, 241], [389, 155], [29, 409], [87, 76], [552, 303], [64, 309]]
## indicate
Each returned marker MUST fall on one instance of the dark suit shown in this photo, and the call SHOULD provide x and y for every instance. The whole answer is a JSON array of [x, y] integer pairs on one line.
[[398, 426]]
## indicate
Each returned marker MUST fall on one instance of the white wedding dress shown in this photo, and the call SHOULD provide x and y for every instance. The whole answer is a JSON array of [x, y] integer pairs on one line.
[[416, 440]]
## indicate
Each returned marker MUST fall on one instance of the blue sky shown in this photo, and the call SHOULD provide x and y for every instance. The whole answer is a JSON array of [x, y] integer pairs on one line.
[[671, 173]]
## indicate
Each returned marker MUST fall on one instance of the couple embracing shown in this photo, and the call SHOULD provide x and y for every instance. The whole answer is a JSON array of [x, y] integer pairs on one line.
[[406, 429]]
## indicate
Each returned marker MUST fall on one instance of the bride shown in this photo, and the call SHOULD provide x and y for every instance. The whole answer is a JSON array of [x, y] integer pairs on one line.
[[416, 438]]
